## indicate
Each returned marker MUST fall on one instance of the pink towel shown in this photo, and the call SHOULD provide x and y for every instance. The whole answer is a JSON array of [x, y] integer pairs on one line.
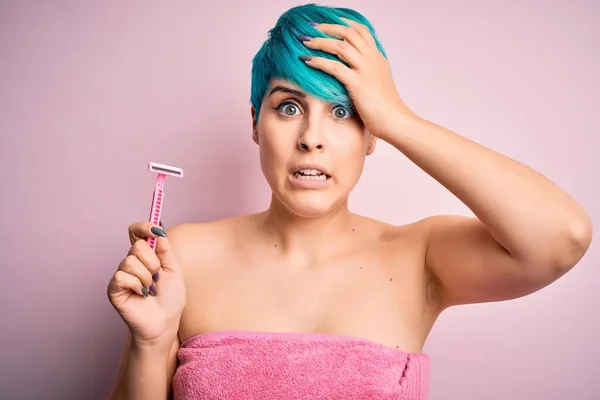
[[272, 366]]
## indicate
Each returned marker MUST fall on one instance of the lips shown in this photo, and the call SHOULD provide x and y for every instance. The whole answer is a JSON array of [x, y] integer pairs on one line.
[[310, 176]]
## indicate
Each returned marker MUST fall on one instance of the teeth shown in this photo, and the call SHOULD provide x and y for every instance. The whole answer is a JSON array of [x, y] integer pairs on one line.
[[300, 175], [310, 172]]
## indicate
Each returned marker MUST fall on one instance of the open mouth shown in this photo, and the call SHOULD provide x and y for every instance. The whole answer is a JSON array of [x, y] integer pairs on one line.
[[311, 174]]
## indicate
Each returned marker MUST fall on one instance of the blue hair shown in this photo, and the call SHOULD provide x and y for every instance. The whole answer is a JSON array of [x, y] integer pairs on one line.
[[278, 56]]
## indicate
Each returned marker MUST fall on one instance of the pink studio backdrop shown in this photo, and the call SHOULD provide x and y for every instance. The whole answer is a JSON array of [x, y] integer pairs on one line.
[[91, 91]]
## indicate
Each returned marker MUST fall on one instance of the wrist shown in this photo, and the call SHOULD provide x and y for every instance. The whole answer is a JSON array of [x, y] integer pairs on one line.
[[402, 122], [156, 346]]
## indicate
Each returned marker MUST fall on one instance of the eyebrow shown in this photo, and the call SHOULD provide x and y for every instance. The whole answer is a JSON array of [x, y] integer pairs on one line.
[[285, 89]]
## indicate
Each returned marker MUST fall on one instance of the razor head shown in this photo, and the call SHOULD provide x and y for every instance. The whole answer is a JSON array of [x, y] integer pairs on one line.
[[163, 169]]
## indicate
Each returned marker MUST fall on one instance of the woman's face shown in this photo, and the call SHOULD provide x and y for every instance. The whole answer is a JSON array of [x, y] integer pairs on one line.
[[312, 153]]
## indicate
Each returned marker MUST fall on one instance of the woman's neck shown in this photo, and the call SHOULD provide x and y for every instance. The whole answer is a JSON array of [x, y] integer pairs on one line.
[[306, 237]]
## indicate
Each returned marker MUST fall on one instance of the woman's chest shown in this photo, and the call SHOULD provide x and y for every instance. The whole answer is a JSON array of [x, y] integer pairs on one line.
[[360, 295]]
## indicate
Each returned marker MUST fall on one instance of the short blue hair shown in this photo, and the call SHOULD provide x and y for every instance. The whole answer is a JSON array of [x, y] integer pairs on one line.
[[278, 56]]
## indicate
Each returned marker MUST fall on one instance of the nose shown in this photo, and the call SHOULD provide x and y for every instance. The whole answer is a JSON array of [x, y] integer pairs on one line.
[[311, 140]]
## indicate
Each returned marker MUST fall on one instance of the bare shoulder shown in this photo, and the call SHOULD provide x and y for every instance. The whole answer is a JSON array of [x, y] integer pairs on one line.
[[413, 233], [194, 241], [399, 244], [416, 235], [419, 231]]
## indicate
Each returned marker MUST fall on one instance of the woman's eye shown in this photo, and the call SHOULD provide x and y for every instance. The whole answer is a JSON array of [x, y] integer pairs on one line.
[[289, 109], [341, 112]]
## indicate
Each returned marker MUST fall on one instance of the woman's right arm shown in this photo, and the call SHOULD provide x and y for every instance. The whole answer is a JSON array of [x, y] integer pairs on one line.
[[145, 372], [148, 292]]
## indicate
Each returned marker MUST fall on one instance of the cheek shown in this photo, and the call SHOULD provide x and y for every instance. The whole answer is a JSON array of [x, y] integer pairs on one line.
[[277, 139], [271, 146], [350, 156], [351, 147], [274, 153]]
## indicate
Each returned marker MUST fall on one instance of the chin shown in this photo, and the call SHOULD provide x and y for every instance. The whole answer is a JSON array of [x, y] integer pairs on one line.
[[311, 205], [307, 202]]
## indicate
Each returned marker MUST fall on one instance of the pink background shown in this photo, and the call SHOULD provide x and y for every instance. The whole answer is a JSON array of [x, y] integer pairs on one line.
[[91, 91]]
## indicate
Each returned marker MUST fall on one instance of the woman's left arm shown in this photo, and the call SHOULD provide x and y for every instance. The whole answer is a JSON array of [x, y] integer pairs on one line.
[[528, 232]]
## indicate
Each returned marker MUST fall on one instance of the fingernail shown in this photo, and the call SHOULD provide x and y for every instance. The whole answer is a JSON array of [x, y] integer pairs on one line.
[[144, 291], [305, 38], [155, 277], [313, 23], [152, 289], [161, 224], [158, 232], [305, 58]]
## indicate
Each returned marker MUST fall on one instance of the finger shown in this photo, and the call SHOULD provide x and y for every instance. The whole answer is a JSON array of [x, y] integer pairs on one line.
[[165, 254], [143, 252], [143, 230], [156, 275], [133, 266], [344, 74], [363, 31], [347, 33], [123, 281], [344, 50]]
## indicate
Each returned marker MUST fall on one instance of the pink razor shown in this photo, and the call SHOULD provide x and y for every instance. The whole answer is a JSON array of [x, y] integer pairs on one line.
[[157, 199]]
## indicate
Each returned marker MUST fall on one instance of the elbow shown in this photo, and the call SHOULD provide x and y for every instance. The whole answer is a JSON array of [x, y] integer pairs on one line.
[[557, 257], [571, 247], [580, 238]]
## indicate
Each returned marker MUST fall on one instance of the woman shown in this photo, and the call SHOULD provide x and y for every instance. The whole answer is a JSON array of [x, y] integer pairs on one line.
[[306, 299]]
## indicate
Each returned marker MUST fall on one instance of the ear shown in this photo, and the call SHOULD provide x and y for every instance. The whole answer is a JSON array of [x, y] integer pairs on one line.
[[254, 125], [371, 145]]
